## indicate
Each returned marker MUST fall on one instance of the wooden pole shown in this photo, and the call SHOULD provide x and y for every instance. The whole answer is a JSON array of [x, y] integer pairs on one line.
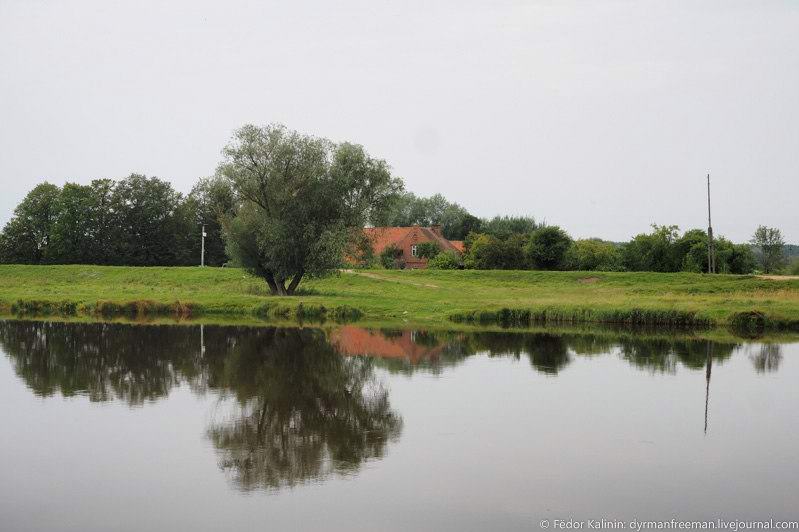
[[711, 255], [708, 368]]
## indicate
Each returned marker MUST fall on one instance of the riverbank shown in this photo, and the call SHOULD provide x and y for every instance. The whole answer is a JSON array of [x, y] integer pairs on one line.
[[421, 297]]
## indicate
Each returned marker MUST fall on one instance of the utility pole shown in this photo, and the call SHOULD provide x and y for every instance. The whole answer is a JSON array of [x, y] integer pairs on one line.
[[711, 252], [202, 249], [708, 369]]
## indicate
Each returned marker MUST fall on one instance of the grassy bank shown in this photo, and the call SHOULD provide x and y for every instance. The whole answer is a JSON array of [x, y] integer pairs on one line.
[[502, 297]]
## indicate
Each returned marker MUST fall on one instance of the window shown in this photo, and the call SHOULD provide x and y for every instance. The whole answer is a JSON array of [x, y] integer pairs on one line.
[[413, 250]]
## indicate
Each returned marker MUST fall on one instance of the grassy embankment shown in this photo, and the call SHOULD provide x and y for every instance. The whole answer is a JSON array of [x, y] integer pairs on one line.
[[418, 297]]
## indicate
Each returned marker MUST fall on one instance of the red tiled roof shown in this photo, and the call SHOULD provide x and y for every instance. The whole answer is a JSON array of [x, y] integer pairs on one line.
[[383, 237]]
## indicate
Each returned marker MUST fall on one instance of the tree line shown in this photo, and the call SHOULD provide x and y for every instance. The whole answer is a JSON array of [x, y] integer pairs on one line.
[[136, 221], [522, 243], [663, 249], [285, 206]]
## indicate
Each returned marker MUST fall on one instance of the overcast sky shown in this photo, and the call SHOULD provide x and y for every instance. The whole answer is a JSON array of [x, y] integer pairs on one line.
[[600, 116]]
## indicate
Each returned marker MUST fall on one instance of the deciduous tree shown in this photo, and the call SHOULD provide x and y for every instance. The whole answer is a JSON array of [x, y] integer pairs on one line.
[[26, 238], [300, 197], [547, 248], [771, 248]]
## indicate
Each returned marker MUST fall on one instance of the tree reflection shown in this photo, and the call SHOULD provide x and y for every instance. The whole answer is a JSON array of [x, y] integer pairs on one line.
[[299, 410], [547, 353], [304, 411], [104, 361], [661, 355], [767, 359]]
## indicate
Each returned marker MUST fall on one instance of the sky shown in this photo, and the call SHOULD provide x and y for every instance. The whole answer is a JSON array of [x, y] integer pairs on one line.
[[602, 117]]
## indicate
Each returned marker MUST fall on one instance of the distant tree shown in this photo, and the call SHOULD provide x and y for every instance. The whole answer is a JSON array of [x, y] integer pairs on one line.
[[484, 252], [593, 254], [741, 259], [730, 258], [653, 251], [504, 226], [210, 200], [427, 250], [514, 250], [301, 198], [771, 248], [446, 260], [547, 248], [689, 252], [459, 228], [664, 250], [102, 222], [149, 229], [456, 222], [406, 210], [26, 237], [73, 234], [487, 252]]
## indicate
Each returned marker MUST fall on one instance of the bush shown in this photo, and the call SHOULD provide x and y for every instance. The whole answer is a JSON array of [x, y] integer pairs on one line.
[[391, 258], [487, 252], [547, 248], [593, 255], [446, 260], [653, 252], [427, 250]]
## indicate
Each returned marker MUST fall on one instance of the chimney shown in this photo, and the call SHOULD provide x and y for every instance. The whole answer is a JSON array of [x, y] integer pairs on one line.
[[437, 230]]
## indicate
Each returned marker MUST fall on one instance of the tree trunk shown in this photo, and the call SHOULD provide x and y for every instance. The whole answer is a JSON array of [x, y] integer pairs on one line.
[[270, 280], [295, 281], [281, 286]]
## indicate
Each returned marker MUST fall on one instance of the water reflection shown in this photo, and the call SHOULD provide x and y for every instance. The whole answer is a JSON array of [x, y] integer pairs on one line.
[[303, 411], [296, 410], [548, 353], [767, 359], [100, 360]]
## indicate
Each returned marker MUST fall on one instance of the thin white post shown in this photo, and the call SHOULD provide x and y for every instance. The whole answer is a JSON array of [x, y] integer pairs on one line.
[[202, 251]]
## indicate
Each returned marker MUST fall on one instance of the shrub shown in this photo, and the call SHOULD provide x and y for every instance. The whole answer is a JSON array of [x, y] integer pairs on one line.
[[446, 260], [653, 252], [391, 258], [487, 252], [547, 248], [741, 259], [593, 254], [427, 250]]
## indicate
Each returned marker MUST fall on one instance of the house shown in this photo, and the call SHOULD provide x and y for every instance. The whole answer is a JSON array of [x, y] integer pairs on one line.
[[407, 239]]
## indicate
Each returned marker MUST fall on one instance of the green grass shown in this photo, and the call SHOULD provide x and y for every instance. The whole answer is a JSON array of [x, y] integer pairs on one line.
[[415, 296]]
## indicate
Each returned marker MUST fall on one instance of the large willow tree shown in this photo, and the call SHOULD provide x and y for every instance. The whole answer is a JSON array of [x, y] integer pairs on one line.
[[302, 201]]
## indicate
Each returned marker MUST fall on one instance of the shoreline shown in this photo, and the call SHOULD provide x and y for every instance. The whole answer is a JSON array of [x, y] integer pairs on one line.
[[430, 298]]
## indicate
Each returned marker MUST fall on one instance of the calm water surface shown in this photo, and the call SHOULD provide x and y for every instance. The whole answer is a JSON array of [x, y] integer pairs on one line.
[[141, 427]]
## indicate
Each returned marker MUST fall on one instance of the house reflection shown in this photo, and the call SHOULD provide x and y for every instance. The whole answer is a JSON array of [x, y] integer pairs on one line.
[[412, 346]]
